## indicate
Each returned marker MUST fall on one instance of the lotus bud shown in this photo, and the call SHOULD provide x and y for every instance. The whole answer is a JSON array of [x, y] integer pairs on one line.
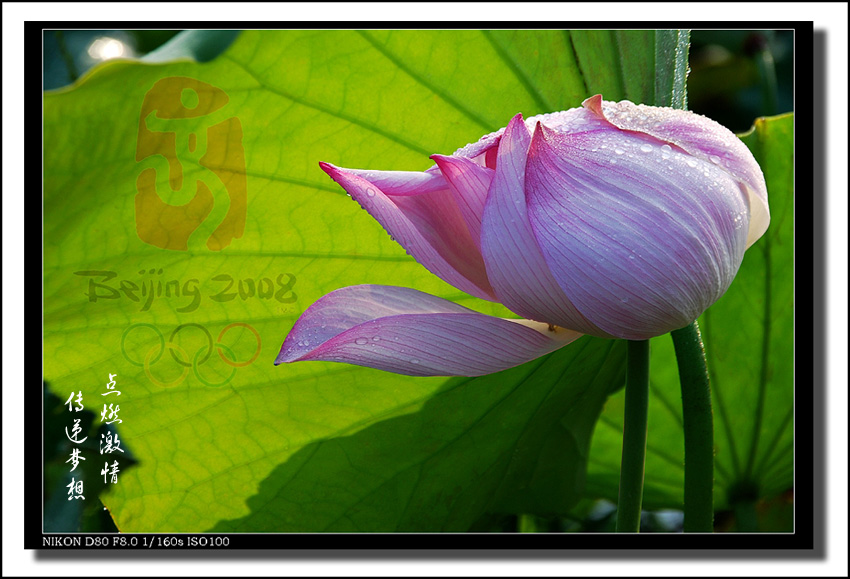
[[613, 219]]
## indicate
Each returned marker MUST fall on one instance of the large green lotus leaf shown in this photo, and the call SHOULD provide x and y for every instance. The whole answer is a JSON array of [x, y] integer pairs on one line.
[[748, 336], [189, 303], [513, 442]]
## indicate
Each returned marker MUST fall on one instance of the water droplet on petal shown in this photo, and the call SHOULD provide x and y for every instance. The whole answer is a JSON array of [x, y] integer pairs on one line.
[[692, 163], [370, 192], [619, 151], [646, 148], [414, 361], [361, 341], [376, 339], [715, 159]]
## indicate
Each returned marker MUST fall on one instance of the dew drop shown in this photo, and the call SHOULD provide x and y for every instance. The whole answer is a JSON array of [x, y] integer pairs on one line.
[[692, 163], [361, 341], [370, 192], [619, 151], [376, 339], [646, 148], [739, 221], [414, 361], [714, 159]]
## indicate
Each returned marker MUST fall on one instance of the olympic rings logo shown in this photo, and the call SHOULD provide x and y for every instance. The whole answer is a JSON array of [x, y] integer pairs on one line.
[[179, 355]]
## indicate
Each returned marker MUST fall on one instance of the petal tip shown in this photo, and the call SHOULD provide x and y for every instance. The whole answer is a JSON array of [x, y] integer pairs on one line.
[[594, 104], [331, 170], [285, 355], [515, 124], [540, 137]]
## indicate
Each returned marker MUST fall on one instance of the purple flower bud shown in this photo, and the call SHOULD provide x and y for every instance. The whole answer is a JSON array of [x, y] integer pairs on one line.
[[615, 220]]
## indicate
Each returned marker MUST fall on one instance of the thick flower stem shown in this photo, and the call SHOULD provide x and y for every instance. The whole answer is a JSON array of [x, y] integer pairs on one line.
[[634, 438], [699, 430]]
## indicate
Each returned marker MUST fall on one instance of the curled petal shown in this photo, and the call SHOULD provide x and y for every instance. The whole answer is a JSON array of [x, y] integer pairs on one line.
[[419, 211], [483, 151], [515, 266], [469, 183], [642, 237], [409, 332], [700, 137]]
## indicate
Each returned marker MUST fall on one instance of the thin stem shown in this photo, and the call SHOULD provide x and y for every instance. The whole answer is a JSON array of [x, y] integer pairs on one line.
[[699, 430], [767, 73], [746, 519], [528, 524], [66, 56], [634, 438]]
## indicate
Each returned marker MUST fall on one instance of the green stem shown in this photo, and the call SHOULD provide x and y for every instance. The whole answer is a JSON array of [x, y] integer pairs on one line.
[[699, 430], [66, 56], [746, 520], [528, 524], [767, 73], [634, 438]]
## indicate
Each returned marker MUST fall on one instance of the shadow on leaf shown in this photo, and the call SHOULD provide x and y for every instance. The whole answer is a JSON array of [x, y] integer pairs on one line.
[[511, 442]]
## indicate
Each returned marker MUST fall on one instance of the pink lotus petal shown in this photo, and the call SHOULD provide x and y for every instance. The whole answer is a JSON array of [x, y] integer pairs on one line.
[[409, 332], [483, 151], [642, 237], [419, 211], [700, 137], [515, 266], [398, 183], [469, 183]]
